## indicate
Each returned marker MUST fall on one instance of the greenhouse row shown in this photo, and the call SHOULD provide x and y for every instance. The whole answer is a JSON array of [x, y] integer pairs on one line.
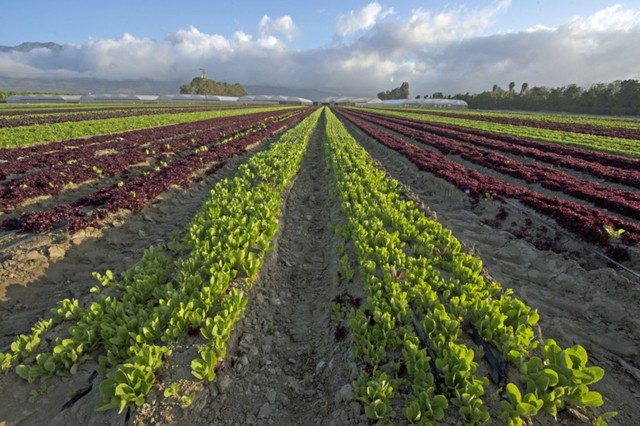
[[128, 98], [375, 102]]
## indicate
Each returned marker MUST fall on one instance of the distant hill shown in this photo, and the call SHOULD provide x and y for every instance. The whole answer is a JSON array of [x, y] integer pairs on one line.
[[146, 86], [143, 86], [28, 46]]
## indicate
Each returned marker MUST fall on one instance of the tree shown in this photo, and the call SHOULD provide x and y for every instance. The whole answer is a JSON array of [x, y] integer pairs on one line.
[[438, 95], [401, 92], [404, 90], [204, 86], [512, 85], [418, 97], [524, 88]]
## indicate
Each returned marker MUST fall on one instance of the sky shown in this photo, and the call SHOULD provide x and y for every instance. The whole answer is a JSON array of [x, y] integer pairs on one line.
[[348, 47]]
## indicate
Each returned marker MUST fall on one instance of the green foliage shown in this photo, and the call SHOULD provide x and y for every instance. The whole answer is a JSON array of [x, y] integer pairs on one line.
[[375, 391], [401, 92], [400, 253], [27, 135], [615, 145], [204, 86], [620, 97], [136, 316], [614, 234]]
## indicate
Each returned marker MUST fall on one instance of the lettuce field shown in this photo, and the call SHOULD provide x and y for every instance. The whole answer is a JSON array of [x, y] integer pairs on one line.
[[326, 265]]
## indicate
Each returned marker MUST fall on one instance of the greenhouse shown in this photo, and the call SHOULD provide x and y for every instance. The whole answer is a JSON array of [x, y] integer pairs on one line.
[[132, 98], [274, 99], [350, 100], [118, 97], [426, 103], [41, 99], [213, 99]]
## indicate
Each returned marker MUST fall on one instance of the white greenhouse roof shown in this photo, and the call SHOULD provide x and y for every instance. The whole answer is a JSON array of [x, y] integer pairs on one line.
[[34, 97], [349, 100], [275, 99], [426, 103], [119, 97]]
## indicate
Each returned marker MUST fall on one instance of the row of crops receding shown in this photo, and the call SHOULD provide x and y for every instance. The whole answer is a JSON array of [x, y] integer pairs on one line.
[[196, 284], [428, 307], [48, 132], [590, 223], [435, 339], [174, 160], [610, 144]]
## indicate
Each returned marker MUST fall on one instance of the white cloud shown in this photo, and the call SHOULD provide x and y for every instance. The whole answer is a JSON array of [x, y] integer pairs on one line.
[[613, 18], [283, 26], [363, 19], [447, 51]]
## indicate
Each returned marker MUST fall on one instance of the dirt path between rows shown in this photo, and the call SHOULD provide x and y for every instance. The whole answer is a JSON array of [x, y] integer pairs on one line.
[[596, 308], [286, 367]]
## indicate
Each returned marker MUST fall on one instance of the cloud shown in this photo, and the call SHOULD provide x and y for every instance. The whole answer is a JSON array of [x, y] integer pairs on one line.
[[283, 26], [363, 19], [450, 50]]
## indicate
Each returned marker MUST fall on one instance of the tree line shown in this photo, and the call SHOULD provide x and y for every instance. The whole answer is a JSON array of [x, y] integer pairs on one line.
[[621, 97]]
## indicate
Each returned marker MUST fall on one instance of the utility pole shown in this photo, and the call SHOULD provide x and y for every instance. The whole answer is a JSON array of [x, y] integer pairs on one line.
[[204, 83]]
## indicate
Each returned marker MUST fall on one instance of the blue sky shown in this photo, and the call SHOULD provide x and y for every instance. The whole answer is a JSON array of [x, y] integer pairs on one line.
[[74, 21], [356, 46]]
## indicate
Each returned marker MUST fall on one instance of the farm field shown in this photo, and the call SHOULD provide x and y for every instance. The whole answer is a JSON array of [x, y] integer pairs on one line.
[[282, 265]]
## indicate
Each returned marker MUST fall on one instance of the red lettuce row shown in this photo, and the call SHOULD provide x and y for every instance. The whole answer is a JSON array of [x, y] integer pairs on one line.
[[87, 165], [615, 132], [139, 191], [29, 120], [614, 199], [35, 154], [587, 222], [475, 136]]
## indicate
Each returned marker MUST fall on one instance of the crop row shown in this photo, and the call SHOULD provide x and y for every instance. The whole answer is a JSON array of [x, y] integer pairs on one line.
[[19, 136], [617, 169], [613, 199], [425, 300], [589, 223], [542, 124], [55, 152], [32, 119], [620, 146], [9, 110], [579, 119], [83, 164], [196, 285], [138, 191]]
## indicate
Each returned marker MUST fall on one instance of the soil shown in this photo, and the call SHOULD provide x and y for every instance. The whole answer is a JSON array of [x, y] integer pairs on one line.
[[286, 364]]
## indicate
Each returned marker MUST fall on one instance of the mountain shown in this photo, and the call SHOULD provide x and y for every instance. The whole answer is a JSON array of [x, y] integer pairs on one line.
[[28, 46], [143, 86]]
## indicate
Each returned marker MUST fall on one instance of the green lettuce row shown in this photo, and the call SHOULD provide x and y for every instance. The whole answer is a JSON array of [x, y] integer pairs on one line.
[[381, 261], [501, 320], [171, 290], [612, 145], [608, 122], [20, 136]]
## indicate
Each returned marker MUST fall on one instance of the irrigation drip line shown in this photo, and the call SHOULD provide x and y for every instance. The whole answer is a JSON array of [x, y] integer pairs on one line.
[[438, 380], [555, 228]]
